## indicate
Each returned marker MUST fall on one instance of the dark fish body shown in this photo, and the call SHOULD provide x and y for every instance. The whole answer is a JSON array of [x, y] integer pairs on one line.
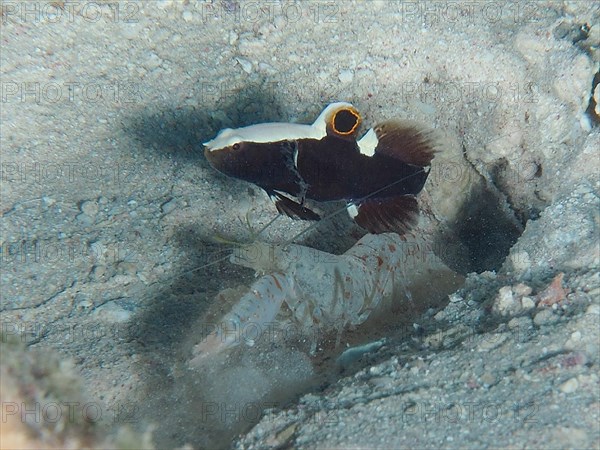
[[378, 176]]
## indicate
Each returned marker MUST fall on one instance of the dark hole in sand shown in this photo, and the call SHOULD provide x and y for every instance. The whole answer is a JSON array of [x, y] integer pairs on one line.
[[486, 231]]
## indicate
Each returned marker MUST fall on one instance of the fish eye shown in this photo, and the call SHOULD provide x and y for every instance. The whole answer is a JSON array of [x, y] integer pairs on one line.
[[345, 121], [236, 146]]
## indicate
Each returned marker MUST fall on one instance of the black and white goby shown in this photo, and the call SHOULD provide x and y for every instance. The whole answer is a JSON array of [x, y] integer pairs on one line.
[[377, 175]]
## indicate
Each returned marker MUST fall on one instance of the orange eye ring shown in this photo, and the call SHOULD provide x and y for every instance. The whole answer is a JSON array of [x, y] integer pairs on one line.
[[345, 121]]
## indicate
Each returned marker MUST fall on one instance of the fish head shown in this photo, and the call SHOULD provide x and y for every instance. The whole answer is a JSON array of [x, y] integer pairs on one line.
[[230, 159], [243, 154], [255, 153]]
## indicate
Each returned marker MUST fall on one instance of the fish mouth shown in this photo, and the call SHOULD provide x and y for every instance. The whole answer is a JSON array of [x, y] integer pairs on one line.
[[221, 160], [212, 156]]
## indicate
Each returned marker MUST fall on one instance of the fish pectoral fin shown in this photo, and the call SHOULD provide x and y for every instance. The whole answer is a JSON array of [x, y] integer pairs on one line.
[[292, 209], [396, 214]]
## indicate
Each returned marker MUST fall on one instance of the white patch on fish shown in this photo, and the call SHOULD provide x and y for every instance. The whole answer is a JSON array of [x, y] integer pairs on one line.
[[275, 131]]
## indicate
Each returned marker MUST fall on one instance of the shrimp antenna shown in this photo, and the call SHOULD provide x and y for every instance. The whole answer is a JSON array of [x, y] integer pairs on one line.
[[225, 241]]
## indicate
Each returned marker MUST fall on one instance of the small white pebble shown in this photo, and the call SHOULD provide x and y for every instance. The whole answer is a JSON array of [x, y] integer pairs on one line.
[[585, 123], [521, 289], [84, 219], [527, 303], [593, 309], [130, 31], [246, 65], [375, 370], [267, 68], [169, 206], [97, 249], [440, 315], [454, 298], [346, 76], [569, 386], [48, 201], [152, 61], [90, 208]]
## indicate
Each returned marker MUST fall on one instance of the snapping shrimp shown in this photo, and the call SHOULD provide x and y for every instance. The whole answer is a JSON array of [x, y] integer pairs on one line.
[[321, 292]]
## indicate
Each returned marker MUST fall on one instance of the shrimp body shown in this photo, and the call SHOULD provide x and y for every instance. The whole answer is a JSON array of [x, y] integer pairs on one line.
[[322, 292]]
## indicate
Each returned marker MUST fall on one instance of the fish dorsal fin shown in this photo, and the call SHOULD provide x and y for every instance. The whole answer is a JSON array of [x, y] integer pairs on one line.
[[405, 140]]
